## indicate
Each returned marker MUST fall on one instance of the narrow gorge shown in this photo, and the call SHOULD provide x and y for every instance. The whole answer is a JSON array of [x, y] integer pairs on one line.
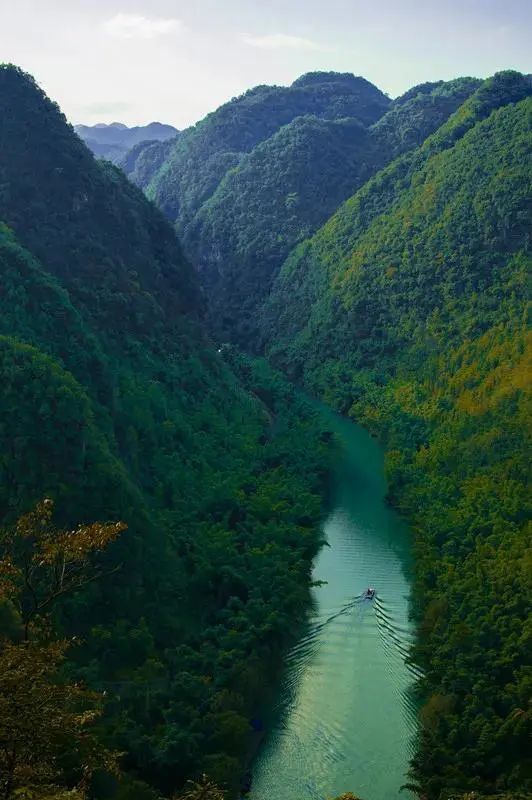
[[254, 369]]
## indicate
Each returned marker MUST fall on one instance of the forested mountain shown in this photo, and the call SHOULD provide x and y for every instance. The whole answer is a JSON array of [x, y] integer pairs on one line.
[[114, 404], [375, 251], [203, 154], [408, 312], [287, 186], [144, 159], [115, 140], [262, 173]]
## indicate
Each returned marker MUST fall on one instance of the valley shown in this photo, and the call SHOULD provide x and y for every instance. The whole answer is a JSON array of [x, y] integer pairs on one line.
[[288, 345], [347, 704]]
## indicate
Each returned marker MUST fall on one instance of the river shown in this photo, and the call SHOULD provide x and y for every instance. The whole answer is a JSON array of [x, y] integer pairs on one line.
[[345, 719]]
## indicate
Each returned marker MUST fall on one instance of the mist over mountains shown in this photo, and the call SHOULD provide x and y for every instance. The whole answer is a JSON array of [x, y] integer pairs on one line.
[[113, 141]]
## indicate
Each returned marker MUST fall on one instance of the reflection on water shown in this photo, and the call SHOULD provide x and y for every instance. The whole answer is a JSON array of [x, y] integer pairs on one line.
[[346, 718]]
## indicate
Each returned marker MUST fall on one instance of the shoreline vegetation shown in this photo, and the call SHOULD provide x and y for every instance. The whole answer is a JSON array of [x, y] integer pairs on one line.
[[406, 310]]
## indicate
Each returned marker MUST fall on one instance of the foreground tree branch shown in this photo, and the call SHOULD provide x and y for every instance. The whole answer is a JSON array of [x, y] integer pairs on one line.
[[45, 721], [40, 563]]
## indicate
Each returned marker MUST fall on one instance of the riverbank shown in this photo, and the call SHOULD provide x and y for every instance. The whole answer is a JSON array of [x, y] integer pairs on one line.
[[345, 716]]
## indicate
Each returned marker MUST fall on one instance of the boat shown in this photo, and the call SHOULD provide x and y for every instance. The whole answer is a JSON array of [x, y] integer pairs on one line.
[[369, 594]]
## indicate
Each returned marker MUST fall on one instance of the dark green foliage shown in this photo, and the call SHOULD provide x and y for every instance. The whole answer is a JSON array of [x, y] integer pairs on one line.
[[203, 154], [418, 113], [64, 452], [87, 223], [142, 162], [285, 188], [115, 404], [407, 310], [277, 196]]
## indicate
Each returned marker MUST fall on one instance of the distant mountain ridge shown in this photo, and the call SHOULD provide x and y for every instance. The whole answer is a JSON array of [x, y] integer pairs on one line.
[[113, 141]]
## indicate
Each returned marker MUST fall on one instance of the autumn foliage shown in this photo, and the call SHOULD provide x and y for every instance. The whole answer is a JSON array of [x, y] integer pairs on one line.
[[47, 740]]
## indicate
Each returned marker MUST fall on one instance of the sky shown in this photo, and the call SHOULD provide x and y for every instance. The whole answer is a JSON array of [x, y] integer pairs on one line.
[[135, 61]]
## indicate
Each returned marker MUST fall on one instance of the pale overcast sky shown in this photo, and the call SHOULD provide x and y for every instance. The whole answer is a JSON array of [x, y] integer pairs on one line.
[[169, 60]]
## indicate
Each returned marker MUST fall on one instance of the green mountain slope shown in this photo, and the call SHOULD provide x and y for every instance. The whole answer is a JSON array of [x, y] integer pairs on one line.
[[144, 159], [286, 187], [114, 403], [312, 266], [263, 207], [419, 112], [83, 220], [202, 155], [407, 310]]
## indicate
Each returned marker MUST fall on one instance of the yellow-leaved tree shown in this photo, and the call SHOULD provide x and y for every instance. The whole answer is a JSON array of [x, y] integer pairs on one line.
[[48, 750]]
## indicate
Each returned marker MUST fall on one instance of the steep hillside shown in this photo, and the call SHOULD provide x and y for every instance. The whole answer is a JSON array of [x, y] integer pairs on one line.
[[311, 268], [202, 155], [263, 207], [114, 404], [407, 311], [144, 159], [419, 112], [115, 140], [83, 220], [286, 187]]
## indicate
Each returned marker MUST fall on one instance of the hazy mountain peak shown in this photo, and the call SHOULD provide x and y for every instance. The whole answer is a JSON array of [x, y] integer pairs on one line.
[[321, 77], [113, 141]]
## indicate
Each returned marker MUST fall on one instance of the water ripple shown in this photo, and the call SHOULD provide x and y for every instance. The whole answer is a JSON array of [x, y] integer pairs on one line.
[[346, 717]]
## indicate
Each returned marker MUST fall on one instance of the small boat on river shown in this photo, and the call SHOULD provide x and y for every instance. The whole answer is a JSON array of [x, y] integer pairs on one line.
[[369, 594]]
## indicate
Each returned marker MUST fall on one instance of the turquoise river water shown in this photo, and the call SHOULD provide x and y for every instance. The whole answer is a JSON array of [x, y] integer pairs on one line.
[[345, 719]]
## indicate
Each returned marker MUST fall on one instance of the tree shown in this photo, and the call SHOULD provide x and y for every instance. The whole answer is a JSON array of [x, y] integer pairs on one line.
[[40, 564], [46, 724], [348, 796], [203, 789]]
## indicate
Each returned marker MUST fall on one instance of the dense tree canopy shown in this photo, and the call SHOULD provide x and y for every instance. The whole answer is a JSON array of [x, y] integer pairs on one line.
[[407, 311], [142, 161], [115, 404], [48, 742], [286, 187], [203, 154]]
